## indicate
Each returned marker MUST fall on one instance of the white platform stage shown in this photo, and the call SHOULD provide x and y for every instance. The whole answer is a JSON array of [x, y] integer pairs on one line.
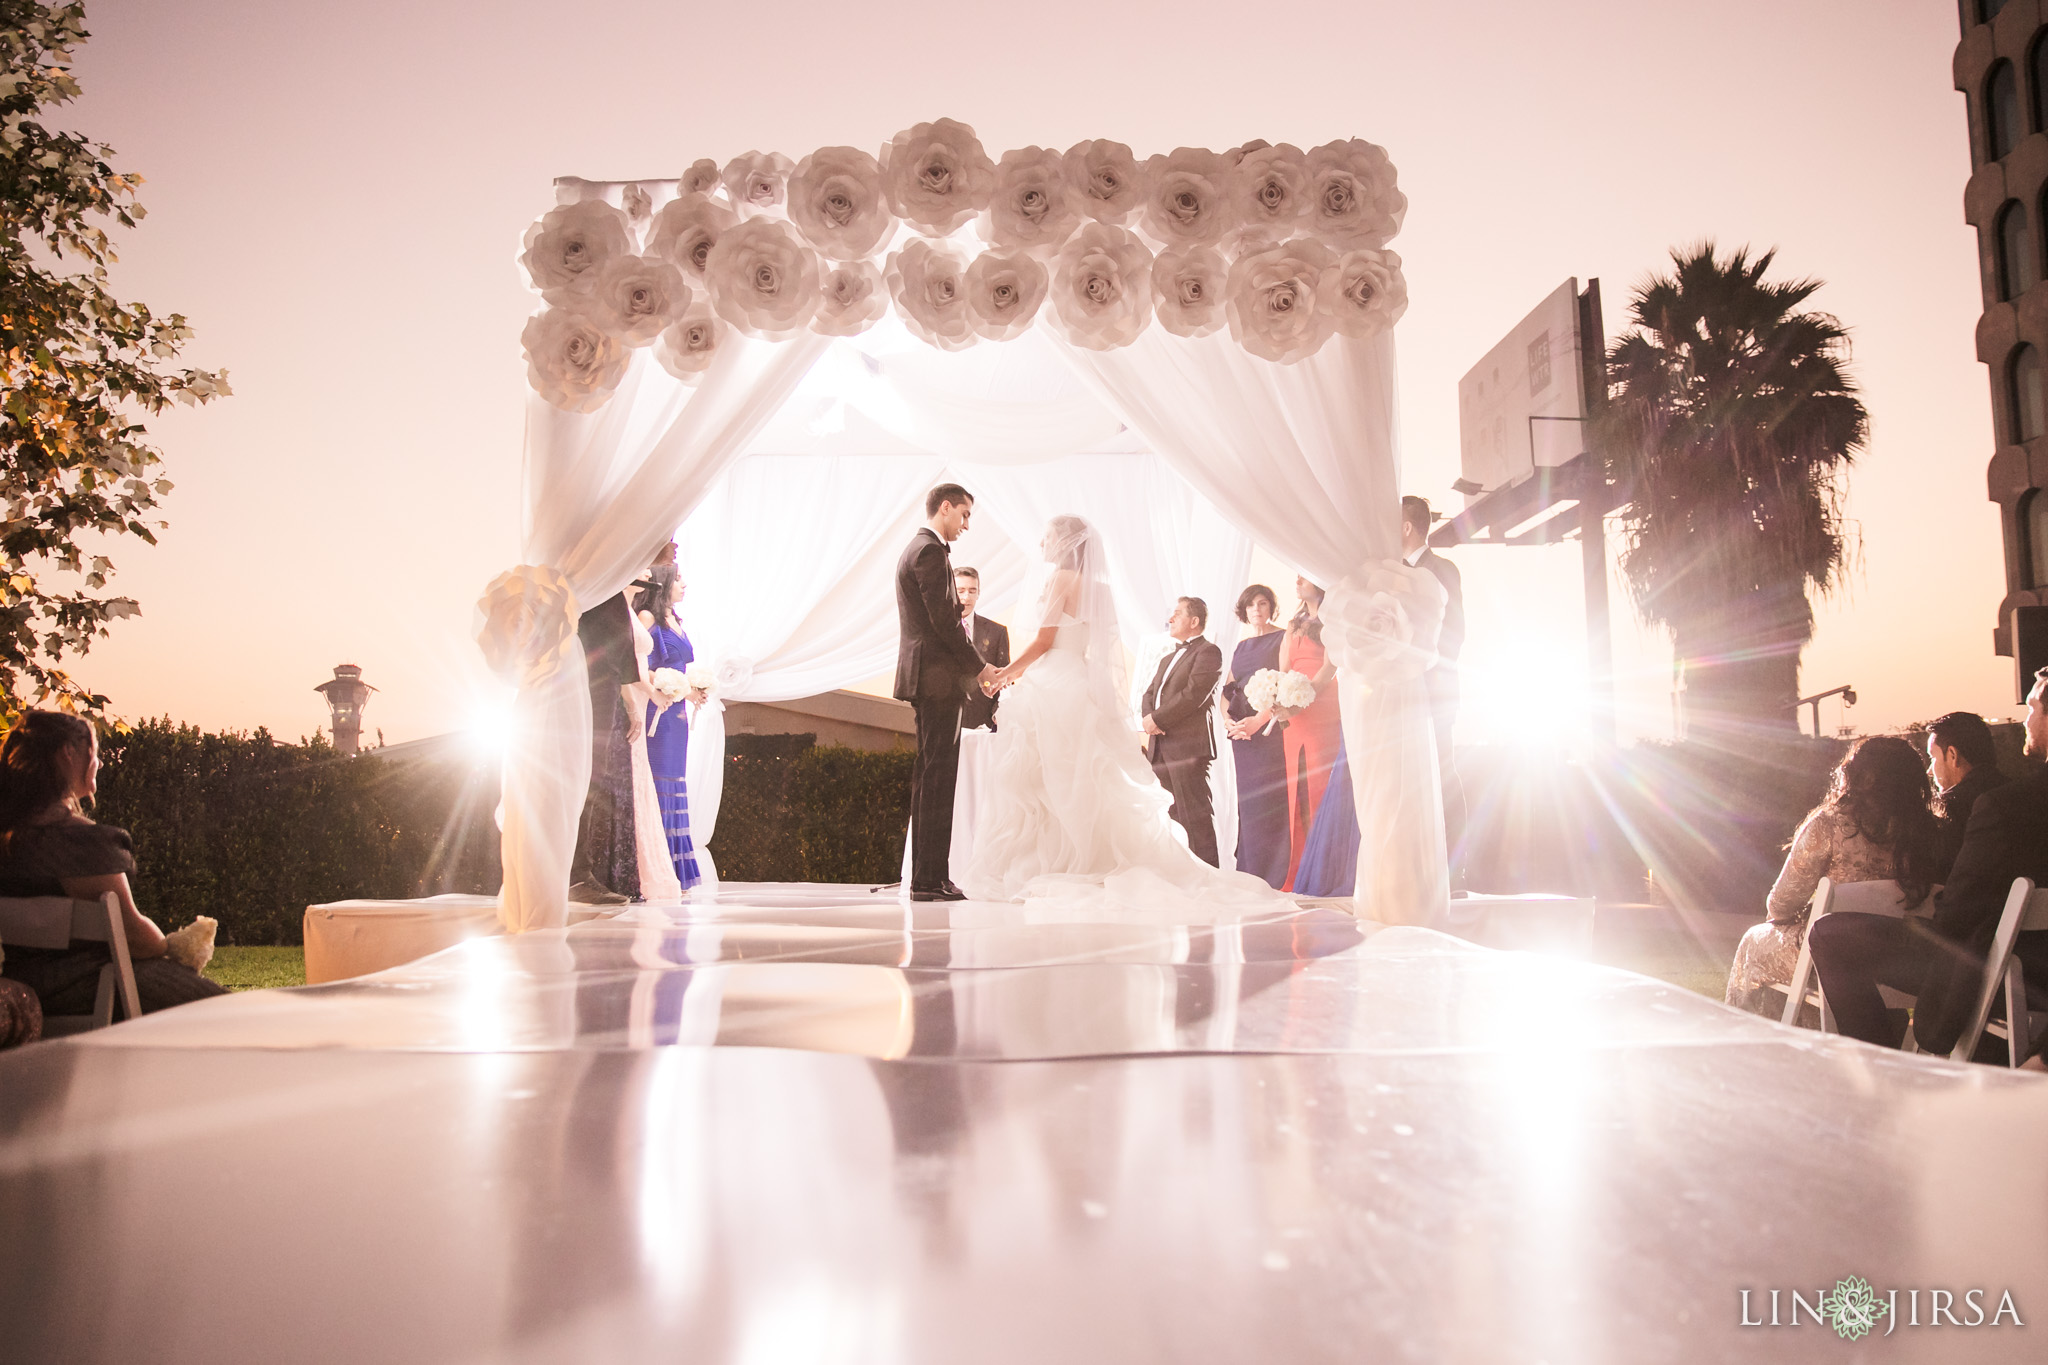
[[797, 1126]]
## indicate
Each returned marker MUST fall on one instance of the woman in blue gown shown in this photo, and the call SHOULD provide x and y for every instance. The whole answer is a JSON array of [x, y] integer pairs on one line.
[[668, 726], [1329, 862], [1257, 752]]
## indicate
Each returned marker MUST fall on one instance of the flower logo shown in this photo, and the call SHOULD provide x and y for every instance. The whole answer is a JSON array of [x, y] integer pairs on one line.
[[1853, 1308]]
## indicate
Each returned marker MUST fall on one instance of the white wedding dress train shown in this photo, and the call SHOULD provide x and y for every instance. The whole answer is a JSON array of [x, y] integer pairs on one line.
[[1075, 823]]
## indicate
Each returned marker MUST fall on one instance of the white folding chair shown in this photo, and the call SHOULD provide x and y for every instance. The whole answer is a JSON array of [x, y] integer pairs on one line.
[[2026, 911], [53, 922], [1795, 991], [1884, 898]]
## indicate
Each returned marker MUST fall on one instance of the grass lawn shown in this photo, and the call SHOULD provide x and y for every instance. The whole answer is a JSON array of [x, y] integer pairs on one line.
[[248, 969]]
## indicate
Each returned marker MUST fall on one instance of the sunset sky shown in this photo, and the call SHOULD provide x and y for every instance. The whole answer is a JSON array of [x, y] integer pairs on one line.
[[336, 195]]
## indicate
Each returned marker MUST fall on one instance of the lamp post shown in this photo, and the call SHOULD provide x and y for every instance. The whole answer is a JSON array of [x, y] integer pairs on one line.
[[346, 695]]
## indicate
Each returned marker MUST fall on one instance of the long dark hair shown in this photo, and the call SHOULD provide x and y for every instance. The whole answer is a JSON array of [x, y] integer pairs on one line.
[[1881, 789], [1301, 623], [660, 593], [32, 778]]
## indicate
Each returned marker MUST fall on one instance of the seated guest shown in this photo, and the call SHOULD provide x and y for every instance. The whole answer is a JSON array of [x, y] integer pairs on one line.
[[1877, 824], [49, 766], [21, 1014], [2005, 836], [1964, 762]]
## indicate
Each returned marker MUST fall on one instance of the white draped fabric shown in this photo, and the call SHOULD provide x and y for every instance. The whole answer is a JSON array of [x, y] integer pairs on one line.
[[1300, 457], [601, 491], [1304, 458]]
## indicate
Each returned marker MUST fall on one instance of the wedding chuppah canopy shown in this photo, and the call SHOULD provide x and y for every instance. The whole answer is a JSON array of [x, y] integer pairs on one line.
[[1233, 309]]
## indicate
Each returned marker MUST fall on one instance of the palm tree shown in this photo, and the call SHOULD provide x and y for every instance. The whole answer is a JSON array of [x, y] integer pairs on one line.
[[1729, 426]]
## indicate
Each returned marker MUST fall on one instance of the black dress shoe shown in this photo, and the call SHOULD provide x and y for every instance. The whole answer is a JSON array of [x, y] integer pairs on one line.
[[948, 892]]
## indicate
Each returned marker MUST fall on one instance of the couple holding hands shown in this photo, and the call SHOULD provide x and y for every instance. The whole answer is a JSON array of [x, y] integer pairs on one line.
[[1081, 824]]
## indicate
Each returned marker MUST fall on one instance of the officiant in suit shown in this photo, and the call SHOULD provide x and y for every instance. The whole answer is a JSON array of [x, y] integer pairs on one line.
[[1182, 740], [991, 642], [937, 669]]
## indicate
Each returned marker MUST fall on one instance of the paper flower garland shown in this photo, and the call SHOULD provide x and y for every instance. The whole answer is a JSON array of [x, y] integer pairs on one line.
[[1285, 248]]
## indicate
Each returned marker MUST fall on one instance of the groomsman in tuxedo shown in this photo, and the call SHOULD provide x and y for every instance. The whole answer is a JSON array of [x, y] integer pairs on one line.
[[1182, 741], [991, 641], [937, 669], [1441, 682]]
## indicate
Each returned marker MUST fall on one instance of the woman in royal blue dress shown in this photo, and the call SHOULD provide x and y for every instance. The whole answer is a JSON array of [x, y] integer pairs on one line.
[[1263, 847], [668, 723]]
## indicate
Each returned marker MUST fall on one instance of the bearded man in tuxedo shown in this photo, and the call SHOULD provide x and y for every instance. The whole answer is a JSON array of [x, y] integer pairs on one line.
[[991, 641], [1182, 741]]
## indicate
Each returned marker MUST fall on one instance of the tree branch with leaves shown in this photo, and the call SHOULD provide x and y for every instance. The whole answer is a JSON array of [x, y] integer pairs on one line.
[[81, 370]]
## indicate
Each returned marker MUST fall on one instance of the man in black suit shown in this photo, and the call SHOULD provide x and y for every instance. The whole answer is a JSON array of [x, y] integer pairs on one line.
[[1441, 682], [991, 641], [936, 669], [604, 835], [2006, 837], [1963, 760], [1176, 710]]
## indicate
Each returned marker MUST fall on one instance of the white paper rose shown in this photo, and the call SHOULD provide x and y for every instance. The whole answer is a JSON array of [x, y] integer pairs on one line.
[[1188, 291], [929, 283], [568, 246], [1004, 291], [638, 205], [732, 673], [1270, 193], [687, 349], [637, 298], [1102, 288], [1105, 180], [525, 623], [687, 228], [1353, 200], [836, 199], [1032, 209], [763, 280], [1272, 300], [701, 178], [1187, 198], [1381, 623], [757, 183], [937, 176], [851, 299], [571, 360], [1364, 293]]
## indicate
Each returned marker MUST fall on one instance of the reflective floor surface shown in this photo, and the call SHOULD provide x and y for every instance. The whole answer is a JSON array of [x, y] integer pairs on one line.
[[801, 1128]]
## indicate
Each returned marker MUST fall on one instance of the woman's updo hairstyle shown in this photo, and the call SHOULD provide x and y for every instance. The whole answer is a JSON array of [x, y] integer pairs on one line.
[[32, 777]]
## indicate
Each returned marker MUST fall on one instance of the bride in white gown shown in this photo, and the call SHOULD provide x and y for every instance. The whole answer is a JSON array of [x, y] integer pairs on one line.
[[1076, 825]]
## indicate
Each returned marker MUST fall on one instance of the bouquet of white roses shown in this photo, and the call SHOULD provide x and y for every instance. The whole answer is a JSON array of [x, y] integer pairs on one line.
[[671, 683], [1296, 692], [1262, 689], [703, 677]]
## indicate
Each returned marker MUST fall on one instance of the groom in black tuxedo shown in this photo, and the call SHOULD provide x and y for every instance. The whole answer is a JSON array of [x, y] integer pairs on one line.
[[937, 669], [1183, 743]]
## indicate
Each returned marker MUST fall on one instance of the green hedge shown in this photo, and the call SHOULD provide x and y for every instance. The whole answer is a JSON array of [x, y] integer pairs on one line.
[[794, 811], [252, 831]]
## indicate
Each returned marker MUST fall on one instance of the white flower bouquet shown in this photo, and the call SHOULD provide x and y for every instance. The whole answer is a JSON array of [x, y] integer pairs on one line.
[[701, 676], [1269, 689], [1296, 692], [671, 683]]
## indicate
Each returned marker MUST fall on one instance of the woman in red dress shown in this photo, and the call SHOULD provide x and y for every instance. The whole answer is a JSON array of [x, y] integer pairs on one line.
[[1312, 734]]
